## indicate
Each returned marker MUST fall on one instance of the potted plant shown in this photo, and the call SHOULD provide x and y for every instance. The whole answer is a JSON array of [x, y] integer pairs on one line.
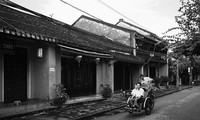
[[106, 91], [157, 82], [61, 95], [165, 81]]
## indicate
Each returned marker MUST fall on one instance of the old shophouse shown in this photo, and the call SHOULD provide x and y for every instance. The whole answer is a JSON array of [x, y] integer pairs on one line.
[[37, 52], [147, 47]]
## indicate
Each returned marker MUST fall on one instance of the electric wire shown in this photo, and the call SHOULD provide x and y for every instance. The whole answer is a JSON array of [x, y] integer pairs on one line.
[[119, 13], [80, 10]]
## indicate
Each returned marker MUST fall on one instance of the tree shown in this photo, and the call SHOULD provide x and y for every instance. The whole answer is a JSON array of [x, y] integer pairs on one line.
[[188, 40]]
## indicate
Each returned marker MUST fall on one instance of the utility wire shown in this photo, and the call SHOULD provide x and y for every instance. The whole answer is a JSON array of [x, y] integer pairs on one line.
[[80, 10], [119, 12]]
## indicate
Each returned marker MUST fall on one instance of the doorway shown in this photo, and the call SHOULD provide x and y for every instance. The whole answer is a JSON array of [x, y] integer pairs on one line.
[[152, 72], [122, 76], [78, 79], [15, 76]]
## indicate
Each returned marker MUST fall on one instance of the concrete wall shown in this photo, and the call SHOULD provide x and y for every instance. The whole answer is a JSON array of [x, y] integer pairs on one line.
[[39, 72], [43, 72]]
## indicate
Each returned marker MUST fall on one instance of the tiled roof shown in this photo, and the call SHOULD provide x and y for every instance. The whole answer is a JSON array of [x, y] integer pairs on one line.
[[39, 27], [119, 51], [117, 29], [36, 27], [106, 42]]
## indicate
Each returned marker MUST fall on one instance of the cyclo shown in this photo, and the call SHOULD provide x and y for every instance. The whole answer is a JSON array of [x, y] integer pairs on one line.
[[147, 103]]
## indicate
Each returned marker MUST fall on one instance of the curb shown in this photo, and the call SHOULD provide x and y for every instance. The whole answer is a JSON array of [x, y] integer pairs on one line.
[[27, 113], [46, 109], [171, 92]]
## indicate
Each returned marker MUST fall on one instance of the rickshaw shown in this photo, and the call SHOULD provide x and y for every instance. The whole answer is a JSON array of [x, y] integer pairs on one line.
[[147, 104]]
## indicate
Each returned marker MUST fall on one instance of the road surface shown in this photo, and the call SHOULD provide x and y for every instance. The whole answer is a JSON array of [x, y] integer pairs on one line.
[[183, 105]]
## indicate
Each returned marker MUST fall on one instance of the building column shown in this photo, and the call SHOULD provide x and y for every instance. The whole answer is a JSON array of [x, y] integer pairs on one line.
[[52, 71], [141, 70], [133, 42], [101, 71], [110, 74]]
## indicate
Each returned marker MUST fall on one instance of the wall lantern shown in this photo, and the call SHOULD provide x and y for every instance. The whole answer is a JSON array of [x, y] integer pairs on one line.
[[78, 58], [188, 69], [40, 52], [97, 60], [151, 54]]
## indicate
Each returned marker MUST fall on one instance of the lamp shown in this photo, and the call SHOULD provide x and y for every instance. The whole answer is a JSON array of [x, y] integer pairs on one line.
[[151, 54], [97, 60], [40, 52], [188, 69], [78, 58]]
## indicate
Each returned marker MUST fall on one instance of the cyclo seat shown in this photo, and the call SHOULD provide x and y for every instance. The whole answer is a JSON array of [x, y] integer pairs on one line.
[[147, 92]]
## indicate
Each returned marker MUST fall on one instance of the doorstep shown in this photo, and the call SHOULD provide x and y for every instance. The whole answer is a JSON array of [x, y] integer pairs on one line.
[[35, 106]]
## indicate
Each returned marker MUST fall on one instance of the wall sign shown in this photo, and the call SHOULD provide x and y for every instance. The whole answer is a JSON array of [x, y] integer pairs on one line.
[[7, 46]]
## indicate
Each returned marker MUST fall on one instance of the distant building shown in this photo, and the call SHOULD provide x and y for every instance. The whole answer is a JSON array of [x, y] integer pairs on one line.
[[146, 47]]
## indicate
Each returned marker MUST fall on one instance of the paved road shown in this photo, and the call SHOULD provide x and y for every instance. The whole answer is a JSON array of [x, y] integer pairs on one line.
[[184, 105]]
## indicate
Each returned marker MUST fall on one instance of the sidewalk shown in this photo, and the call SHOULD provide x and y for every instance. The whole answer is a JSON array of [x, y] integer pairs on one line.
[[86, 109]]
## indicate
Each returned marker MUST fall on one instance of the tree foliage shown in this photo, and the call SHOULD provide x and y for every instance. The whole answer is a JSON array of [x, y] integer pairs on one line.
[[188, 40]]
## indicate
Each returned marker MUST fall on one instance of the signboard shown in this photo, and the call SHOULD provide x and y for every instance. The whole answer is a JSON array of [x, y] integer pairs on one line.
[[7, 46]]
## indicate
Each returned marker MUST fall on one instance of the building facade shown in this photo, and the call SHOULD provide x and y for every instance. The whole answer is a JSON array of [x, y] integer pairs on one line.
[[38, 52], [145, 46]]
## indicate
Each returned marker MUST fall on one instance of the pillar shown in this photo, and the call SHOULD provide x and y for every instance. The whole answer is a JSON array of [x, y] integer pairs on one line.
[[52, 71], [141, 70], [110, 74], [133, 42]]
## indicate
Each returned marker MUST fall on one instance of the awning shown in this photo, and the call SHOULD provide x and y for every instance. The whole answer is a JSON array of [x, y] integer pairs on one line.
[[128, 58], [84, 52]]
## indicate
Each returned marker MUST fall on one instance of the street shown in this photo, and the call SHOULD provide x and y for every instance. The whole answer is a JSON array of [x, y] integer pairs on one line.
[[183, 105]]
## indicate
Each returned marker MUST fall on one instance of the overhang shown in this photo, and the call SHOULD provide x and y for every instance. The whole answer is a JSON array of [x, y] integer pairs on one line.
[[65, 48]]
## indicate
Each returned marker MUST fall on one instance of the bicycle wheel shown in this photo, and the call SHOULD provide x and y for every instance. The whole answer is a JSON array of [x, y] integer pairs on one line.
[[148, 106]]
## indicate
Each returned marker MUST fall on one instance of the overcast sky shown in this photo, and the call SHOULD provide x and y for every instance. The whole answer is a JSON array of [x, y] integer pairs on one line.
[[156, 16]]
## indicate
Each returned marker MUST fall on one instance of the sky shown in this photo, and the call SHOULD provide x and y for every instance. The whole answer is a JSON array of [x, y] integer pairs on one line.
[[156, 16]]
